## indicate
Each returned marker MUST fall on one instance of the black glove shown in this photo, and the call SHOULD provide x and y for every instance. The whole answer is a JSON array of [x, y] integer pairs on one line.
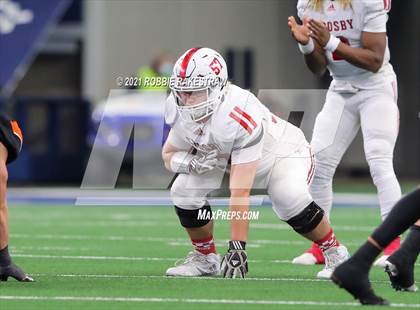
[[235, 262], [15, 272]]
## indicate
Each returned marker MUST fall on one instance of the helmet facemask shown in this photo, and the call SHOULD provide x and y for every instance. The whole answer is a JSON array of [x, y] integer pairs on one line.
[[197, 104]]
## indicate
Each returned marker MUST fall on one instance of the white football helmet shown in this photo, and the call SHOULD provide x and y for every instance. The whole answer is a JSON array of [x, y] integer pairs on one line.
[[198, 83]]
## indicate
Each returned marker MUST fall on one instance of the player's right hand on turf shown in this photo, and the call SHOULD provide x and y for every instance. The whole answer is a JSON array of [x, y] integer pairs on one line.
[[204, 163], [235, 262], [301, 33], [13, 271]]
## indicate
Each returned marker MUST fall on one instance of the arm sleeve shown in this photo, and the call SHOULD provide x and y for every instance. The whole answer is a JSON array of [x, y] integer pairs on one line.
[[376, 15]]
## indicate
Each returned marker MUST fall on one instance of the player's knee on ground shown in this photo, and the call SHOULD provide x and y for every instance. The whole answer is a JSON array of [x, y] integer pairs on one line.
[[307, 220], [194, 218]]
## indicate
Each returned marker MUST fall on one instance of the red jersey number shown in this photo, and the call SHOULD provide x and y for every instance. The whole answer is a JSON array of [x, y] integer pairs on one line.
[[216, 66]]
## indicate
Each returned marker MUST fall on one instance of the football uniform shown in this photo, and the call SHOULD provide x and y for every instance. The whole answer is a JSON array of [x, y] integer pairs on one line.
[[243, 130], [357, 98], [11, 137]]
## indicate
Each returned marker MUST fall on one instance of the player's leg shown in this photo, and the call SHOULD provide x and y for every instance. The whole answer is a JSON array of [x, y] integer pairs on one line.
[[188, 193], [10, 143], [380, 120], [400, 265], [353, 274], [335, 128], [292, 202]]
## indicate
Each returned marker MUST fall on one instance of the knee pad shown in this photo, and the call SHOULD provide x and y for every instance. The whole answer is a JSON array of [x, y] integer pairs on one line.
[[194, 218], [308, 219]]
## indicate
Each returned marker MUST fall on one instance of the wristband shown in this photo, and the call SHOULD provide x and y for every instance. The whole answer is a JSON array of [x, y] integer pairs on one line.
[[332, 44], [180, 162], [237, 245], [308, 48]]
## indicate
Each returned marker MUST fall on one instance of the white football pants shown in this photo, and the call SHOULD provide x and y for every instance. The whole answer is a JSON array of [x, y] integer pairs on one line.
[[376, 112]]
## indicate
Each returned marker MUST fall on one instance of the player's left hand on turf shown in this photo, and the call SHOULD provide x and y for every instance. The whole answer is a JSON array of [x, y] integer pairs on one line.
[[13, 271], [235, 262]]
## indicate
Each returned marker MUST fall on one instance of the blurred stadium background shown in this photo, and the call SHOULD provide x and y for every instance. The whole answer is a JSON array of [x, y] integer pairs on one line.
[[59, 68]]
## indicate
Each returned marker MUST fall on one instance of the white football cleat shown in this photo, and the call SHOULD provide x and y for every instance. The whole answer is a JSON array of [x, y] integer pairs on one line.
[[381, 261], [333, 258], [304, 259], [196, 264]]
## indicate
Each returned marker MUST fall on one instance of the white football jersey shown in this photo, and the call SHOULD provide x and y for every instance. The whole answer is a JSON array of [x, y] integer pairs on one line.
[[241, 128], [348, 25]]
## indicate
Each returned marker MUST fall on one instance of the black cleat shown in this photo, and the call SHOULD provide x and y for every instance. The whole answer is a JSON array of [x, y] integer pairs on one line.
[[15, 272], [400, 270], [355, 281]]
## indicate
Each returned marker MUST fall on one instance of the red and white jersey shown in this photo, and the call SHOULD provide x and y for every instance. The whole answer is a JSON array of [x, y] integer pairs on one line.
[[241, 128], [348, 25]]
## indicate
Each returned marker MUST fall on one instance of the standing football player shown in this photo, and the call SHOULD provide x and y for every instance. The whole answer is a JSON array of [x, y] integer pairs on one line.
[[348, 37], [222, 121], [353, 275], [10, 145]]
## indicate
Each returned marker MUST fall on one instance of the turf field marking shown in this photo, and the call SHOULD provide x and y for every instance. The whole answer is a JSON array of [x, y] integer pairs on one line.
[[161, 239], [196, 301], [186, 278], [133, 258], [173, 278], [82, 257], [127, 258]]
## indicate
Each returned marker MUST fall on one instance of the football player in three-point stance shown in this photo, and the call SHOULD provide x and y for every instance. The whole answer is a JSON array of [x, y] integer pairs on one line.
[[10, 145], [349, 38], [221, 121]]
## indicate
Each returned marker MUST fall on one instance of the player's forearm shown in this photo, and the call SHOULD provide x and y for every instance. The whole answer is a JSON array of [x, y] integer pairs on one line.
[[360, 57], [239, 206], [167, 156], [316, 62]]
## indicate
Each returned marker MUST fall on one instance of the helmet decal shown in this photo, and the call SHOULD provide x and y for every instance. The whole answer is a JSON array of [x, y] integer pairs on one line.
[[186, 61]]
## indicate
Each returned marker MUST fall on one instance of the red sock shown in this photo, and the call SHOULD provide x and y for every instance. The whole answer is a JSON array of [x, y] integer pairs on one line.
[[393, 246], [328, 241], [204, 246]]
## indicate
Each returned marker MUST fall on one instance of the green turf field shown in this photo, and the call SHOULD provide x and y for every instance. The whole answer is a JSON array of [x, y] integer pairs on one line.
[[115, 258]]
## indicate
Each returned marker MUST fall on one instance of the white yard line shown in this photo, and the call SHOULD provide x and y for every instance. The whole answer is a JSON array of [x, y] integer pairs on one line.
[[157, 239], [133, 258], [159, 223], [110, 276], [195, 301], [128, 258]]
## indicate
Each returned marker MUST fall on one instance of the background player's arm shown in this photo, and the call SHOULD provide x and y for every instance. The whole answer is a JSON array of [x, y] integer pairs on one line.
[[315, 61], [369, 57], [241, 180]]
